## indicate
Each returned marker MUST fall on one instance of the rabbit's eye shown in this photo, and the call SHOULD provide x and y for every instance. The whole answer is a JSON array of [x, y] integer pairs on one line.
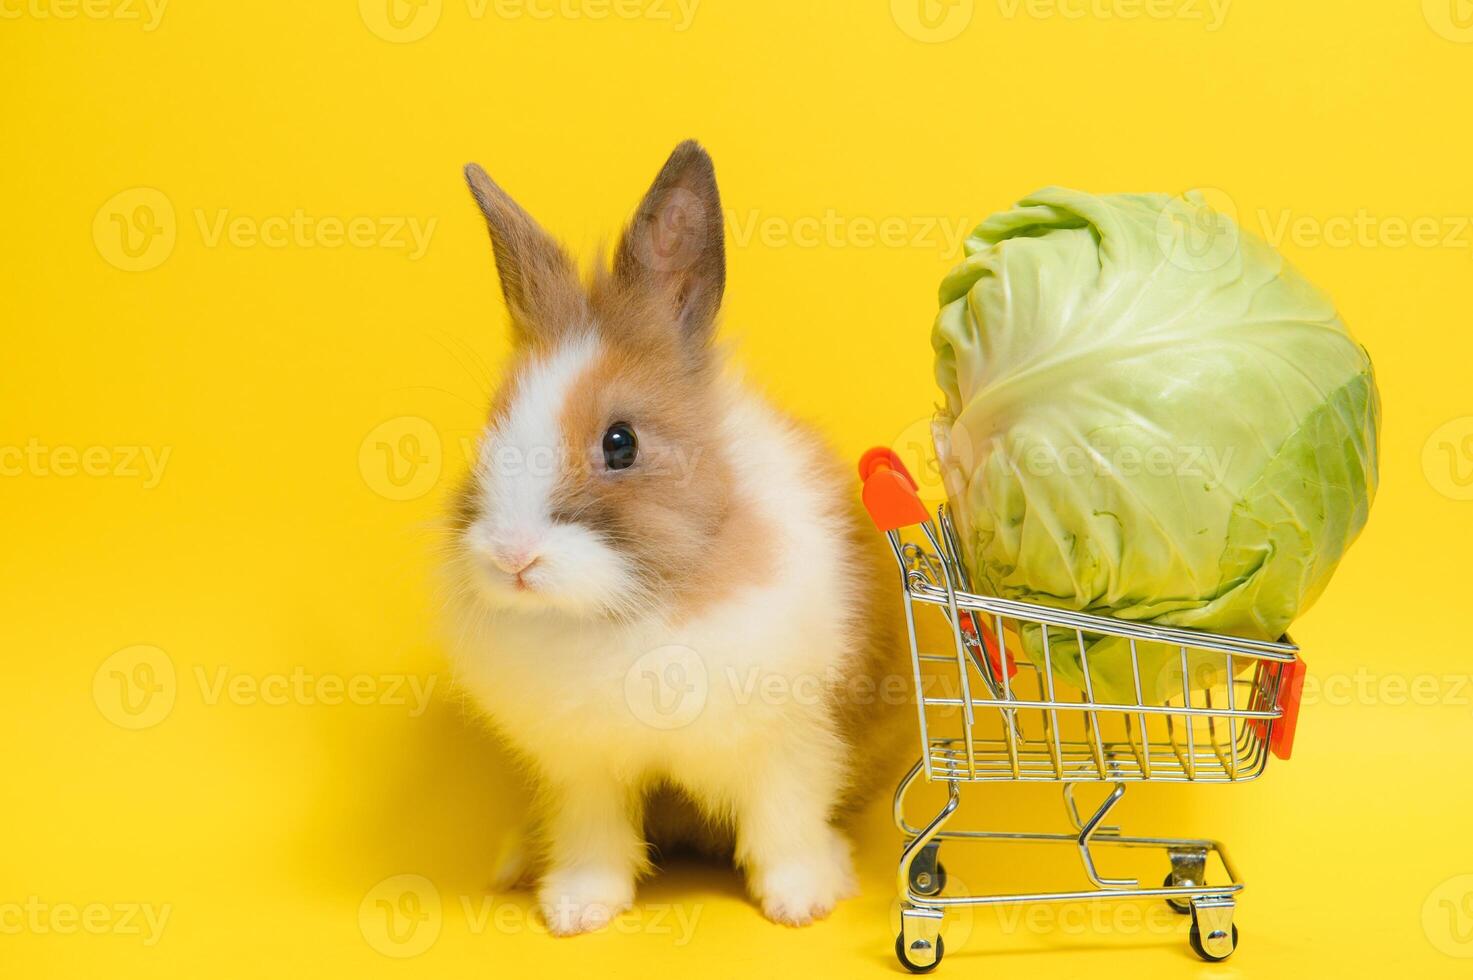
[[620, 446]]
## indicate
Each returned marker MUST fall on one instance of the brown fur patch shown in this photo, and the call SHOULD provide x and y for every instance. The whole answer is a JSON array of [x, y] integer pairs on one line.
[[674, 507]]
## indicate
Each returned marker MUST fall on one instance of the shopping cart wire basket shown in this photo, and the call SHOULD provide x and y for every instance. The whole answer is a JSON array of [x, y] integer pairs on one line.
[[988, 712]]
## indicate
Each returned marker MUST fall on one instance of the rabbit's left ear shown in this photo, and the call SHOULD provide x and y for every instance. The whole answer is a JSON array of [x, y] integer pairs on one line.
[[674, 247]]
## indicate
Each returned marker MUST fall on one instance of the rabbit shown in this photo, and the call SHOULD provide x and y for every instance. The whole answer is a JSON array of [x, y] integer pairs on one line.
[[670, 605]]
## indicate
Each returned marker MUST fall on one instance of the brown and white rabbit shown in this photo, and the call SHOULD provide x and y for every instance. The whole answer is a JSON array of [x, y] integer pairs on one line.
[[670, 606]]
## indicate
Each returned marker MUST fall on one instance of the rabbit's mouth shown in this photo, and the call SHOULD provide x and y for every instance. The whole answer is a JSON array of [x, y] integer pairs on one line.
[[569, 569]]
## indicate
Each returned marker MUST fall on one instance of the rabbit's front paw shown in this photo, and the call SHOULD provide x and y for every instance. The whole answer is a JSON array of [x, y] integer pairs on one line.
[[801, 890], [576, 900]]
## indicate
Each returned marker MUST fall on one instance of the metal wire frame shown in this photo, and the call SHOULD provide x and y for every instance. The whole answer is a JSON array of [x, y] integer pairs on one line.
[[1042, 730], [1046, 731]]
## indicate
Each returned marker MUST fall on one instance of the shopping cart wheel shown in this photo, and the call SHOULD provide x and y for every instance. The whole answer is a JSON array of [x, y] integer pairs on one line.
[[928, 875], [1218, 944], [1181, 906], [903, 955], [929, 883], [1188, 868]]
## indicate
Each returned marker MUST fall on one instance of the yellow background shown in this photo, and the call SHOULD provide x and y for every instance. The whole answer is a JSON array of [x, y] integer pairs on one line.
[[271, 374]]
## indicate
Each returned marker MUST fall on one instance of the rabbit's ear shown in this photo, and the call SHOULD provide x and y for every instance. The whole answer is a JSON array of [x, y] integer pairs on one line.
[[538, 278], [674, 246]]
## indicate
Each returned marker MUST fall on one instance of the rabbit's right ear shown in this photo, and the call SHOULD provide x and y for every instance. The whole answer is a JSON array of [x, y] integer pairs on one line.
[[538, 278]]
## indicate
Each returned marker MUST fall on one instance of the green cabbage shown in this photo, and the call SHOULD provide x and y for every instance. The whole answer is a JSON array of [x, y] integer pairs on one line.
[[1148, 415]]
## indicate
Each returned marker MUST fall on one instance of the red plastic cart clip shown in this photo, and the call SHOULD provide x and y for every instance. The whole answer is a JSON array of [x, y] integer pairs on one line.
[[1291, 688], [889, 494], [989, 643]]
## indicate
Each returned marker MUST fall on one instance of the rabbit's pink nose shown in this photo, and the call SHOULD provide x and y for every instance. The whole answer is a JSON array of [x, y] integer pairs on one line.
[[514, 562]]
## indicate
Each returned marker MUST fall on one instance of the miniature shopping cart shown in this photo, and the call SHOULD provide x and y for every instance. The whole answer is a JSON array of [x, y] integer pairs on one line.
[[988, 716]]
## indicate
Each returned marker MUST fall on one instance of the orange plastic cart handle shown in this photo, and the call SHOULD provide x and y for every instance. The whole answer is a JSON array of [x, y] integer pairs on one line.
[[1291, 689], [889, 494]]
